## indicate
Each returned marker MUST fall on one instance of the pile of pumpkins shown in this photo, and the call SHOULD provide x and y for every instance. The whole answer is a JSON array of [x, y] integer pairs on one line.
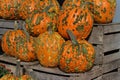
[[55, 35]]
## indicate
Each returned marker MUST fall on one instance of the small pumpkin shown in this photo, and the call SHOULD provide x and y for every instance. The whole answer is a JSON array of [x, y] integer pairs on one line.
[[8, 43], [25, 48], [76, 56], [26, 77], [103, 10], [48, 46], [78, 19]]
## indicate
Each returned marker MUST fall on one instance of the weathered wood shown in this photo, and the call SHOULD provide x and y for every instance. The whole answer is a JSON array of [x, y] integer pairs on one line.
[[111, 76], [110, 66], [96, 37], [94, 72], [13, 60], [7, 24], [111, 42], [111, 28], [99, 54], [111, 57]]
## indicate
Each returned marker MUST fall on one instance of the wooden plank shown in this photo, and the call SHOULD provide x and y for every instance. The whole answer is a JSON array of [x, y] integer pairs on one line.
[[99, 54], [111, 42], [110, 66], [6, 24], [94, 72], [111, 76], [112, 28], [111, 57], [98, 78], [96, 37], [10, 59]]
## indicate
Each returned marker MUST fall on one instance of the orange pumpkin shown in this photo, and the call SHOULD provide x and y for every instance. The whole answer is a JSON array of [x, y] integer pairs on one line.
[[77, 19], [48, 45], [8, 9], [76, 56], [103, 10], [38, 23], [9, 41]]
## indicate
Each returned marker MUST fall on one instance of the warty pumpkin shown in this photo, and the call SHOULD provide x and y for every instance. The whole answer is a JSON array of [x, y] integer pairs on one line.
[[38, 23], [9, 41], [76, 56], [9, 8], [48, 46], [103, 10], [78, 19]]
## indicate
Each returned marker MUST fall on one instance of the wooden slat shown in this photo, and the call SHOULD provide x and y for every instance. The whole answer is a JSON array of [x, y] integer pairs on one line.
[[112, 28], [99, 54], [111, 42], [111, 76], [111, 57], [13, 60], [96, 37], [110, 66], [94, 72], [7, 24]]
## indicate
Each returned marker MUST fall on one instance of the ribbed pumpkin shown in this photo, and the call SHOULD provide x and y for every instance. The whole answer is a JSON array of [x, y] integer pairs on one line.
[[8, 9], [28, 7], [16, 43], [48, 45], [25, 48], [104, 10], [9, 41], [76, 56], [38, 23], [78, 19]]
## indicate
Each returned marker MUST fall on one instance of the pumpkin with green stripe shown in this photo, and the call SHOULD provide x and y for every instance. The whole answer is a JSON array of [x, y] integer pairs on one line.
[[76, 56], [78, 19], [48, 45], [9, 39]]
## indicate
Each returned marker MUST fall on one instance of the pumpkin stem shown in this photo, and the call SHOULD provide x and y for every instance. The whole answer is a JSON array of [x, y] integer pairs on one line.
[[18, 68], [72, 37], [74, 40]]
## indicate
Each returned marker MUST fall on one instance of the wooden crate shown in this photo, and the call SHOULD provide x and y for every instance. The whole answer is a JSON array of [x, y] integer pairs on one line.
[[106, 41]]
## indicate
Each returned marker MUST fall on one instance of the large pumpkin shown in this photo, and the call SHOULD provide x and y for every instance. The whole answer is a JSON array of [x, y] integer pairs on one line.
[[76, 56], [104, 10], [78, 19], [48, 45]]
